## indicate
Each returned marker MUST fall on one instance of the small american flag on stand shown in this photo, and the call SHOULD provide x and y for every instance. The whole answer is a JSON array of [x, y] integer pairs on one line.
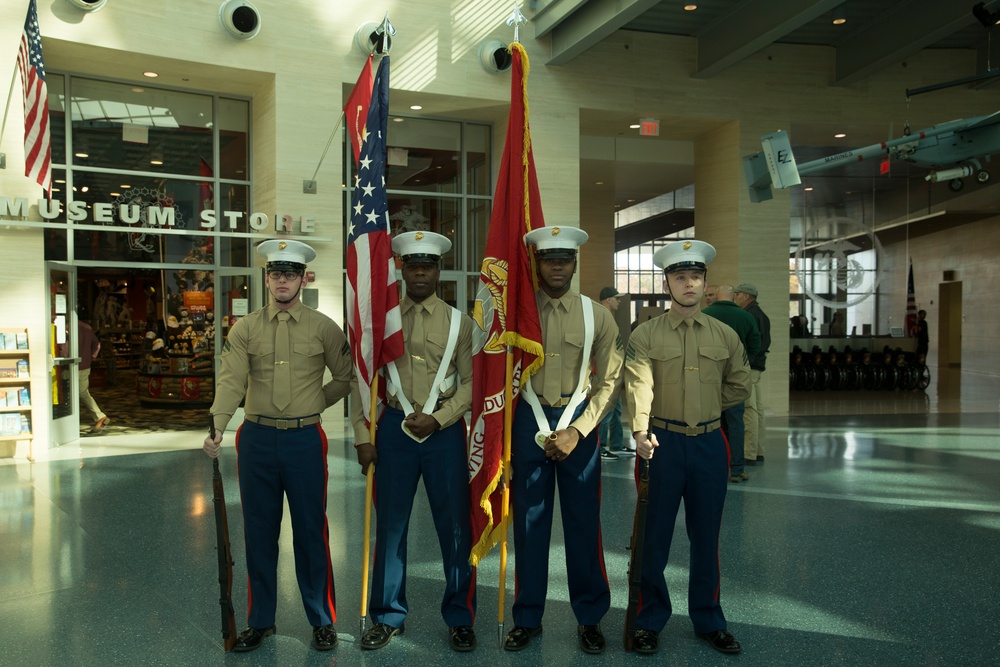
[[37, 144], [373, 317]]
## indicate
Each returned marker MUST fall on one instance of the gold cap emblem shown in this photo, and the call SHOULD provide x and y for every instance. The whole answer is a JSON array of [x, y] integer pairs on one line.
[[419, 236], [555, 231], [282, 245], [687, 245]]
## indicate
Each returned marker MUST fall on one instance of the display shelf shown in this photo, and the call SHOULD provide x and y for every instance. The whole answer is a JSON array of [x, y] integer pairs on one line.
[[15, 413]]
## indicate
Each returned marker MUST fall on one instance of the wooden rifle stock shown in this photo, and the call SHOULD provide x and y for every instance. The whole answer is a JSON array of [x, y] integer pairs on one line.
[[635, 563], [225, 553]]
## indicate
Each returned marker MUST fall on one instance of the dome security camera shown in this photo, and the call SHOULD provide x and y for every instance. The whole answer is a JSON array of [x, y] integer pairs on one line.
[[88, 5], [240, 18], [370, 38], [494, 56]]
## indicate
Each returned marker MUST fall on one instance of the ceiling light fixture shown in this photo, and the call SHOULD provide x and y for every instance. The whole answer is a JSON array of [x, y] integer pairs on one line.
[[416, 107], [634, 126], [840, 15], [839, 135], [81, 155], [151, 75], [156, 162], [690, 8]]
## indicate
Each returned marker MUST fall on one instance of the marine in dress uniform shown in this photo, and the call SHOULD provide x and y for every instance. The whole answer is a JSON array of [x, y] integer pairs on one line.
[[276, 357], [422, 432], [554, 442], [681, 369]]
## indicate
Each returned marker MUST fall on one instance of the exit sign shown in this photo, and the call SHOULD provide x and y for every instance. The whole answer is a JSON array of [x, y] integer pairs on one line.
[[649, 127]]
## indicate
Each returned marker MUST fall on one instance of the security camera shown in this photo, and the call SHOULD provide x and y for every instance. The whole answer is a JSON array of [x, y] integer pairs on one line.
[[88, 5], [494, 56], [240, 18], [370, 37]]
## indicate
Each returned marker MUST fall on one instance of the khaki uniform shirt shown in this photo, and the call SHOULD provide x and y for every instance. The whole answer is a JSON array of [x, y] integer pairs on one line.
[[247, 368], [655, 368], [424, 357], [562, 341]]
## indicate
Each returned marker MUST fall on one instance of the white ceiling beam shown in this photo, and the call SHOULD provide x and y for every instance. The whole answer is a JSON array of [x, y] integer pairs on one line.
[[592, 22]]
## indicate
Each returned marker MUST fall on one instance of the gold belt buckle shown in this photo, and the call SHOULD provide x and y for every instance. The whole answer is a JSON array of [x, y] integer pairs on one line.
[[693, 430], [282, 424]]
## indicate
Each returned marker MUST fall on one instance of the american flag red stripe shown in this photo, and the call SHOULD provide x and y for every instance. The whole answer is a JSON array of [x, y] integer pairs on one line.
[[37, 143], [373, 318]]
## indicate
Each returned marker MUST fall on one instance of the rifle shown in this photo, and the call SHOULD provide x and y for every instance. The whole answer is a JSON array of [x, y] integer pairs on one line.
[[635, 563], [225, 553]]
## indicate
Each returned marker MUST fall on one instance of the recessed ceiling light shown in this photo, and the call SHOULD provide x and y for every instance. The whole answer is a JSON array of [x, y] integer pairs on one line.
[[115, 194], [156, 162], [84, 155], [809, 189], [60, 180], [839, 135], [416, 107], [630, 201], [599, 183], [151, 75], [85, 188], [124, 186], [839, 21], [690, 8], [138, 90], [634, 126], [398, 120], [56, 190]]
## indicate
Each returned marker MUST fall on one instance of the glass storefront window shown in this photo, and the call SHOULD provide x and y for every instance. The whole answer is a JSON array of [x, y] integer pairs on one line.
[[477, 160], [410, 213], [135, 128], [424, 155], [234, 139]]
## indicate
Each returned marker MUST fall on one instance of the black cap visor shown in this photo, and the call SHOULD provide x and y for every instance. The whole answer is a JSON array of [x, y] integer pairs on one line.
[[568, 254], [684, 266]]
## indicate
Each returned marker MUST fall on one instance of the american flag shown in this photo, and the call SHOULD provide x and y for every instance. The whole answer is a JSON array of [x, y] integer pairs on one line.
[[373, 317], [911, 305], [37, 145]]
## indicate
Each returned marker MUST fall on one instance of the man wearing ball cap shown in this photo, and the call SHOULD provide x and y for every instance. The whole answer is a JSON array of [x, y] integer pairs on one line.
[[275, 358], [681, 370], [554, 440], [422, 434]]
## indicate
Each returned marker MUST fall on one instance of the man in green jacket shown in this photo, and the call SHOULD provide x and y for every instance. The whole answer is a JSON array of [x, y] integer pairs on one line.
[[724, 309]]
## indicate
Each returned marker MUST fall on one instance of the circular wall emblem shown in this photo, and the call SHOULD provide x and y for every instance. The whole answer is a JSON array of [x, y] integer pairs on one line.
[[832, 254]]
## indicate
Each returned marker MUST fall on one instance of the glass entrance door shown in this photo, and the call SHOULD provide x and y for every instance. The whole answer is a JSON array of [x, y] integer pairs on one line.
[[63, 351]]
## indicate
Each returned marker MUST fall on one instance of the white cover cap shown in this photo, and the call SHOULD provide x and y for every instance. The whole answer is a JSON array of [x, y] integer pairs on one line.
[[682, 255], [421, 246]]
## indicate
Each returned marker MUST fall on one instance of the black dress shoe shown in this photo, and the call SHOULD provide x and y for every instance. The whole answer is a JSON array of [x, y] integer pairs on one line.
[[646, 642], [463, 638], [761, 458], [591, 638], [722, 640], [251, 638], [379, 635], [750, 462], [519, 638], [324, 637]]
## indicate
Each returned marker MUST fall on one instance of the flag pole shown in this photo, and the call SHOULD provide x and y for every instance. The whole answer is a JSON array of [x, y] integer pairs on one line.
[[328, 143], [508, 399], [369, 484], [6, 109], [515, 20]]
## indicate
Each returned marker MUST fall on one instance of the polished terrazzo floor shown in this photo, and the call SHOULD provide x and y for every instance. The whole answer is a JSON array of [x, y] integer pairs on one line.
[[869, 536]]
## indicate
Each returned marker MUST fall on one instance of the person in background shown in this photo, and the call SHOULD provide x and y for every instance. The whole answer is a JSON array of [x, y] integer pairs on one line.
[[745, 296], [89, 348], [711, 294], [725, 310], [609, 434]]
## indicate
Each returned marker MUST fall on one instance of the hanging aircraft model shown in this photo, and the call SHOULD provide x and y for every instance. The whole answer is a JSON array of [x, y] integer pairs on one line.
[[952, 150]]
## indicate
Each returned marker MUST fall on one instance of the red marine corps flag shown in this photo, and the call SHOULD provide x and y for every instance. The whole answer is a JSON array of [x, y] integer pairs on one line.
[[506, 315]]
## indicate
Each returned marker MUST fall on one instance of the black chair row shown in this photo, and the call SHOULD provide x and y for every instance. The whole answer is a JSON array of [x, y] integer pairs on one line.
[[851, 370]]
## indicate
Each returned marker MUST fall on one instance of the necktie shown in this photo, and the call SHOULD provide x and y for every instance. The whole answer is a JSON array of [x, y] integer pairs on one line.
[[281, 394], [692, 380], [418, 358], [552, 387]]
